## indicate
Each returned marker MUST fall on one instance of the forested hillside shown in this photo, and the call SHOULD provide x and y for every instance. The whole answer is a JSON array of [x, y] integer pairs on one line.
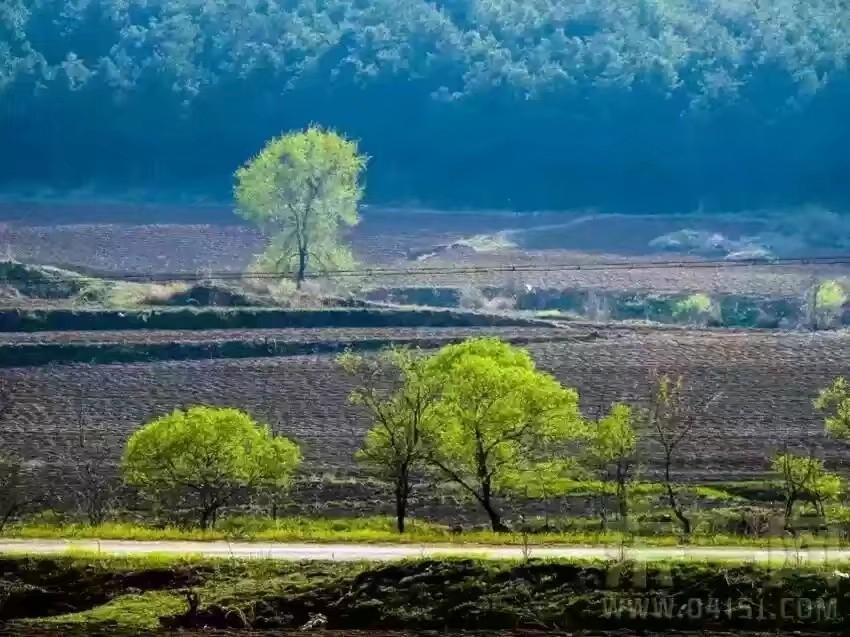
[[629, 104]]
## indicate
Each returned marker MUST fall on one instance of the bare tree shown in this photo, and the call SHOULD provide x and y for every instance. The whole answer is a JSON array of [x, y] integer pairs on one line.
[[671, 418], [92, 486], [15, 496]]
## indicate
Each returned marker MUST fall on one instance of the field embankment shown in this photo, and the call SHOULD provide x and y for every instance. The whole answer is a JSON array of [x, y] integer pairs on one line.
[[23, 349], [135, 595]]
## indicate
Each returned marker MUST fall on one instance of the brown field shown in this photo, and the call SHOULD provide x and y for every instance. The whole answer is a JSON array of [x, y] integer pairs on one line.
[[206, 239], [765, 380]]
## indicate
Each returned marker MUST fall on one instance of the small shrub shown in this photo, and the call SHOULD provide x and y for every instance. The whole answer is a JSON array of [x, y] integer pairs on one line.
[[472, 298], [697, 308]]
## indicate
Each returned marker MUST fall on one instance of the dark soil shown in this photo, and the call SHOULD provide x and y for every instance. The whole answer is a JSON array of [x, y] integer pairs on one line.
[[43, 587], [469, 595], [249, 318], [487, 598]]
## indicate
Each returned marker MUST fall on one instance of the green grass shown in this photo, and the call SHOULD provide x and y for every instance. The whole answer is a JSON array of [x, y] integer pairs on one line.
[[377, 530], [127, 612]]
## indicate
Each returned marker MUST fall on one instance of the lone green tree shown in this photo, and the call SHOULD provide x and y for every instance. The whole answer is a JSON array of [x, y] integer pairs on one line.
[[497, 415], [399, 397], [205, 457], [611, 452], [302, 189]]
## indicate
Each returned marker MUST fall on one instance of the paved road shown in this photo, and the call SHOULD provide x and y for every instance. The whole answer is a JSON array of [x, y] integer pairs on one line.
[[385, 552]]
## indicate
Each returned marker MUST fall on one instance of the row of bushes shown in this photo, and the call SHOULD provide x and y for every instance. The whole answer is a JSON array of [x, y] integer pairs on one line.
[[822, 306]]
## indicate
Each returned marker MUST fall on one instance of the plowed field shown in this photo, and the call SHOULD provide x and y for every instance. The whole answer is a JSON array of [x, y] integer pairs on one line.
[[765, 381]]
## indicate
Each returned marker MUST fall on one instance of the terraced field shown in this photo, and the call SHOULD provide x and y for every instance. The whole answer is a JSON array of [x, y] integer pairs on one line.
[[765, 382]]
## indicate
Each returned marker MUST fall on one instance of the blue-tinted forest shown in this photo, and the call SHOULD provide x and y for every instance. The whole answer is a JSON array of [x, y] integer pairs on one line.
[[622, 104]]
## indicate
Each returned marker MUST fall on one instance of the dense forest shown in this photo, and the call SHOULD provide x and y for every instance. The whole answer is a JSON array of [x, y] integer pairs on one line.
[[626, 104]]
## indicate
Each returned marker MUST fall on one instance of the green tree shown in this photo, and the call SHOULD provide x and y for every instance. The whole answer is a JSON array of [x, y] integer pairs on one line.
[[611, 453], [301, 190], [696, 308], [834, 402], [804, 478], [399, 397], [205, 457], [497, 415]]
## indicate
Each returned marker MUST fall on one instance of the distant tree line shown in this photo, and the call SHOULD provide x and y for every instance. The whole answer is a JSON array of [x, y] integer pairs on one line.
[[644, 104]]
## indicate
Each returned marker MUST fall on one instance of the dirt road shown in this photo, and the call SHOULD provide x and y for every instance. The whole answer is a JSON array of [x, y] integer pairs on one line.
[[385, 552]]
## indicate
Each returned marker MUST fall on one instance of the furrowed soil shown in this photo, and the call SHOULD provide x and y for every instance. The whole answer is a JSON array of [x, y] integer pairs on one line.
[[764, 383], [174, 239]]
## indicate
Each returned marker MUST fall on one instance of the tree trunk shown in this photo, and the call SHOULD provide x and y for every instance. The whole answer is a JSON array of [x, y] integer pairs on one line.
[[302, 268], [208, 516], [623, 502], [674, 501], [789, 510], [622, 494], [486, 500], [495, 518], [402, 493]]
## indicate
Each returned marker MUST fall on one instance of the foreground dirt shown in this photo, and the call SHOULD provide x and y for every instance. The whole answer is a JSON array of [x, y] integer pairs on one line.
[[427, 594]]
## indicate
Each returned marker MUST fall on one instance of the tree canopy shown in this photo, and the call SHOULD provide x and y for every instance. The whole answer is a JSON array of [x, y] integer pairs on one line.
[[302, 188], [497, 414], [206, 456], [539, 92]]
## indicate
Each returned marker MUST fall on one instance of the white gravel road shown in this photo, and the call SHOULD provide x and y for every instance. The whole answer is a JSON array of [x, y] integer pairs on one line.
[[386, 552]]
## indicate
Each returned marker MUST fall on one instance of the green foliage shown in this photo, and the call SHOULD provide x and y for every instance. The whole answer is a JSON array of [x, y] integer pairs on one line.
[[302, 189], [497, 414], [126, 613], [834, 401], [500, 72], [207, 456], [830, 296], [611, 452], [448, 595], [806, 478], [614, 437], [705, 50], [399, 397], [695, 307]]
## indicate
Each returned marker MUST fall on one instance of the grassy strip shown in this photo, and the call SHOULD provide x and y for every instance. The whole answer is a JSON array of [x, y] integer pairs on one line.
[[379, 530]]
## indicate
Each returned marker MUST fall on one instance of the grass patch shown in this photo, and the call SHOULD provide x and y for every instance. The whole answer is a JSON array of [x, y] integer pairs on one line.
[[128, 612], [380, 530]]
